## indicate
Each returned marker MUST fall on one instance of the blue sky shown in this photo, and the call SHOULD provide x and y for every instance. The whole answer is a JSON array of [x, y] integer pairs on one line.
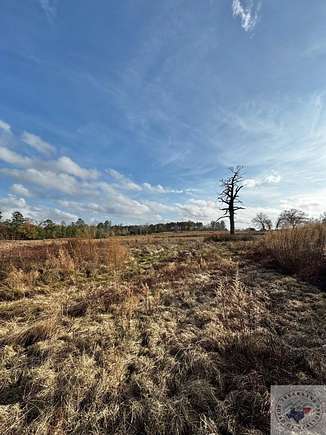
[[133, 110]]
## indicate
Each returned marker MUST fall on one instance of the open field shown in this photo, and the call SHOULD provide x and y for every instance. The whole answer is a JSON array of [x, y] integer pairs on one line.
[[200, 235], [151, 335]]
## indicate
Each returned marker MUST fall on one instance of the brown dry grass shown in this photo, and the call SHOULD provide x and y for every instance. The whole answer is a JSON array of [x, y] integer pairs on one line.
[[27, 265], [175, 337], [300, 250]]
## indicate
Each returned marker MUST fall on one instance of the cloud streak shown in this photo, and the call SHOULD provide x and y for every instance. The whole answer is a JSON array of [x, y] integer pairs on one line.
[[126, 183], [63, 165], [37, 143], [20, 190], [273, 178], [4, 126], [49, 7], [247, 12]]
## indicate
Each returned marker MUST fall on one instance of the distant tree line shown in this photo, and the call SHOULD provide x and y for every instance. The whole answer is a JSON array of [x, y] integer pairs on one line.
[[22, 228]]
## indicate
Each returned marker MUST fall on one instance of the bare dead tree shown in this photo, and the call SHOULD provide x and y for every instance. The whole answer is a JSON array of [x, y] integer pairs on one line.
[[262, 222], [291, 218], [229, 197]]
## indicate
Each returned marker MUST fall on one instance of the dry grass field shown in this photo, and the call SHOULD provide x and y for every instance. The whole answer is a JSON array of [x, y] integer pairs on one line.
[[152, 335]]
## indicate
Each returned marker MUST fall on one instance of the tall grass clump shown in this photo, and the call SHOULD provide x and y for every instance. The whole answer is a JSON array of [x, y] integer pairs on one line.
[[299, 250], [25, 266]]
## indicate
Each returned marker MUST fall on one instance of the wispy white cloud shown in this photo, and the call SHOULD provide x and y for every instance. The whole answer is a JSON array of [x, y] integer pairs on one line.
[[62, 165], [156, 189], [20, 190], [315, 49], [53, 213], [37, 143], [9, 156], [49, 7], [160, 189], [115, 205], [66, 164], [127, 184], [124, 181], [4, 126], [312, 202], [198, 210], [317, 111], [12, 203], [45, 179], [273, 178], [285, 132], [247, 11]]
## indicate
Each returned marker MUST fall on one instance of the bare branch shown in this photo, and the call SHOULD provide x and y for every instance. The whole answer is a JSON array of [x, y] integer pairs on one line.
[[222, 217]]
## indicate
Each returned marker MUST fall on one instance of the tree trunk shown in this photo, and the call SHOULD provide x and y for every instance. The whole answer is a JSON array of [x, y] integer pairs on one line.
[[231, 222]]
